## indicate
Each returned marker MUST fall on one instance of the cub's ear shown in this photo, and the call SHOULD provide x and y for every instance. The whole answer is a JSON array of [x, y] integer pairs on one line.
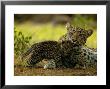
[[89, 32], [68, 25]]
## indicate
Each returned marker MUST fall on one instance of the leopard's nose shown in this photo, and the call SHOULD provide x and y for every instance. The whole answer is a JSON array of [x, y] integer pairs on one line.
[[74, 41]]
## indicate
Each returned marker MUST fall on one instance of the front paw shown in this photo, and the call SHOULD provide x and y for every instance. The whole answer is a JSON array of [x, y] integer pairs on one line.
[[50, 65]]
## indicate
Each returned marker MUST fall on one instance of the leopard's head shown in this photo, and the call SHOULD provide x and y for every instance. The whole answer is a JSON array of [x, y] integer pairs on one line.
[[77, 35]]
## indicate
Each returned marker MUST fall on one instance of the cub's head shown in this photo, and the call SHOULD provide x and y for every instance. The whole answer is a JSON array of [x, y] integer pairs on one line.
[[78, 36]]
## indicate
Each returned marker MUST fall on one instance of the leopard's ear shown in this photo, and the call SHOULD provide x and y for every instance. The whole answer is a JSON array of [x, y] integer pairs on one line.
[[89, 32], [68, 25]]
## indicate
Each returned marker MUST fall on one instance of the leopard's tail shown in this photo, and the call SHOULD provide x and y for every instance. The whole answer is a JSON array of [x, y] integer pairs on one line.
[[27, 52]]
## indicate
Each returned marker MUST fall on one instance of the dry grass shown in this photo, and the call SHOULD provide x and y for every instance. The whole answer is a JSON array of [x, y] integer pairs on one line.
[[21, 70], [26, 71]]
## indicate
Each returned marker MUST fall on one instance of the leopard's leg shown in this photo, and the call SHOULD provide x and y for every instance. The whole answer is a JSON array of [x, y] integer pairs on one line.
[[54, 63], [72, 60], [58, 61], [50, 65], [80, 61]]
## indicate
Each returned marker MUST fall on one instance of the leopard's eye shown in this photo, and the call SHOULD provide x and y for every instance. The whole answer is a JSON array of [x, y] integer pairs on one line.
[[80, 34], [70, 33]]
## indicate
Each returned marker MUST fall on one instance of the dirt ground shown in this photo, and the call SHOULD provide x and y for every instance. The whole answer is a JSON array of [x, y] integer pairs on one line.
[[26, 71]]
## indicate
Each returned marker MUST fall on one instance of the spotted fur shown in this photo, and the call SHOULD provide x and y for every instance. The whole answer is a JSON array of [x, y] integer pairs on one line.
[[43, 50], [51, 50]]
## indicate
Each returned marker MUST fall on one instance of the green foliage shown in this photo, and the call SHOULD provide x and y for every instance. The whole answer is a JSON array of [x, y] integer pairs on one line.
[[21, 42]]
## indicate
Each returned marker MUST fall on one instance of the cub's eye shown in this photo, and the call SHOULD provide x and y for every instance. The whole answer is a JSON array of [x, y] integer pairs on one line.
[[70, 33], [80, 35]]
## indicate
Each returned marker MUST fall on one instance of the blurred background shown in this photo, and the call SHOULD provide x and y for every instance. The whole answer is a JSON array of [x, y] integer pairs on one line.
[[32, 28]]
